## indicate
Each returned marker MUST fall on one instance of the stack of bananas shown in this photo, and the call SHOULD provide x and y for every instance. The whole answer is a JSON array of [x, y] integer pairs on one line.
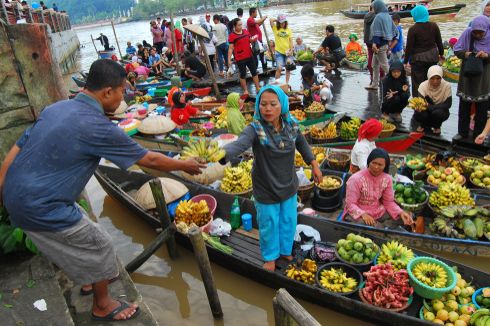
[[304, 273], [220, 120], [142, 99], [336, 280], [417, 104], [236, 179], [207, 150], [190, 212], [451, 194], [349, 130], [395, 253], [431, 274], [329, 132], [247, 165]]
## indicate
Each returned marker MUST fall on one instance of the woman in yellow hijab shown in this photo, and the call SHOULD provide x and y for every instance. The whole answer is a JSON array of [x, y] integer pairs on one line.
[[235, 119]]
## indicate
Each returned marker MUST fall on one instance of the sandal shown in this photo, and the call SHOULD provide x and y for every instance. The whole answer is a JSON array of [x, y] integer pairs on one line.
[[110, 316]]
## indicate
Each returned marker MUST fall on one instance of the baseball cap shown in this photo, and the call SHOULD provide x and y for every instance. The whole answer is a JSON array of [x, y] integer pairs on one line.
[[282, 18], [165, 49]]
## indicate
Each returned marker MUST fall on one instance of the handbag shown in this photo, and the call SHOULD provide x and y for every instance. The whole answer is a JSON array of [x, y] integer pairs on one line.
[[473, 66], [290, 65]]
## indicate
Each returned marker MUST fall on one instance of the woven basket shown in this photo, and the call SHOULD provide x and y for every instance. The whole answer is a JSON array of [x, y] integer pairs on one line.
[[424, 290], [437, 186], [468, 169], [476, 186], [387, 132], [314, 114], [350, 270], [304, 192], [338, 161], [245, 194]]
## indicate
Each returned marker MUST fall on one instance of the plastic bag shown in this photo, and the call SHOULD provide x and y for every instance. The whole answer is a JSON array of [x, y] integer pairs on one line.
[[219, 228], [214, 171], [302, 178], [230, 71], [306, 236]]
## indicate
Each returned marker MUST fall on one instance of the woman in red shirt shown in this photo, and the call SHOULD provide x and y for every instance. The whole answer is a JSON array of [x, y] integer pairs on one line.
[[181, 111], [240, 41]]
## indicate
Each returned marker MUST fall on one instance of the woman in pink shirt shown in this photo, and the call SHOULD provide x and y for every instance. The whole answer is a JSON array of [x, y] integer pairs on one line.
[[370, 194], [157, 34]]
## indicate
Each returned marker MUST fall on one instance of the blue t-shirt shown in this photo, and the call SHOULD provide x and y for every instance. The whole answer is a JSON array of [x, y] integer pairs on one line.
[[131, 50], [59, 155], [153, 59], [399, 46]]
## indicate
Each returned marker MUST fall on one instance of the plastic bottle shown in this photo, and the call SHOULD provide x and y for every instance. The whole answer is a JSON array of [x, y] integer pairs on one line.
[[235, 216]]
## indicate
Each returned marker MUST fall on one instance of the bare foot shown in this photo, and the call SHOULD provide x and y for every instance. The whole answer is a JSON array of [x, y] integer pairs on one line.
[[420, 129], [269, 265], [114, 304], [288, 258]]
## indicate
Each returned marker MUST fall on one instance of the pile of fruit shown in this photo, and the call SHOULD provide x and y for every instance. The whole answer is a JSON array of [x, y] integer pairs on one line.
[[220, 120], [387, 125], [446, 311], [190, 212], [453, 64], [201, 132], [415, 162], [357, 249], [304, 55], [417, 104], [386, 287], [336, 280], [318, 152], [204, 150], [462, 222], [237, 179], [431, 274], [449, 194], [480, 318], [462, 292], [315, 107], [356, 57], [300, 115], [329, 183], [469, 164], [481, 175], [410, 193], [446, 175], [142, 99], [396, 254], [349, 130], [329, 132], [483, 299], [304, 272]]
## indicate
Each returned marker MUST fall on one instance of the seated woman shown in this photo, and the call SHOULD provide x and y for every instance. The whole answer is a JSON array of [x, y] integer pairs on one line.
[[131, 89], [236, 121], [396, 92], [365, 144], [181, 111], [314, 87], [370, 194], [353, 45], [300, 45], [438, 95]]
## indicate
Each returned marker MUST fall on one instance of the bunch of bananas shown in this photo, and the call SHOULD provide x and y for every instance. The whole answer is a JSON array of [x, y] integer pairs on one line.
[[190, 212], [315, 107], [206, 150], [480, 318], [387, 125], [417, 104], [246, 165], [431, 274], [395, 253], [336, 280], [304, 273], [142, 99], [248, 118], [300, 115], [441, 226], [329, 132], [220, 120], [349, 130], [451, 194], [236, 179]]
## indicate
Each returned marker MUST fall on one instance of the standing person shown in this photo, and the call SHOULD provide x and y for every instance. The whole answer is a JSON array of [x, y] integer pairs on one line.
[[221, 32], [45, 172], [365, 143], [239, 14], [274, 138], [208, 19], [330, 52], [396, 92], [55, 7], [43, 6], [253, 27], [368, 21], [396, 47], [159, 22], [475, 41], [157, 34], [188, 39], [283, 37], [383, 32], [438, 95], [239, 46], [424, 46], [210, 44], [104, 41], [167, 36]]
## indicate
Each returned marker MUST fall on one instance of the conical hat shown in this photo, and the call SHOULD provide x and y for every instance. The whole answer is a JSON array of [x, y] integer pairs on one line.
[[172, 190], [156, 125], [121, 108], [198, 30]]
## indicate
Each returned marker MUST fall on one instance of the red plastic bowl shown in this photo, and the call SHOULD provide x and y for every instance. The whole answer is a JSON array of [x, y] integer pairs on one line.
[[199, 91], [212, 203]]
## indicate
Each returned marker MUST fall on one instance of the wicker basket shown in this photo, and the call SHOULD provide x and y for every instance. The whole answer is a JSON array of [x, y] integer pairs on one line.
[[468, 169], [424, 290], [387, 132], [304, 192], [437, 186], [314, 114], [338, 161], [476, 186]]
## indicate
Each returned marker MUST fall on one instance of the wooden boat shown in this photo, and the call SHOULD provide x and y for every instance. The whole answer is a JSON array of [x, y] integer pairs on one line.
[[398, 7], [106, 54], [450, 76], [78, 81], [247, 261], [355, 65], [145, 86]]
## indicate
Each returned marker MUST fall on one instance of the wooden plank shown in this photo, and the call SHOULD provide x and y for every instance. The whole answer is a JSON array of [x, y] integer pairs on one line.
[[254, 233]]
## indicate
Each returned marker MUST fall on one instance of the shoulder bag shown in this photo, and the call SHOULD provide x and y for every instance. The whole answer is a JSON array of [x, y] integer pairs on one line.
[[473, 66]]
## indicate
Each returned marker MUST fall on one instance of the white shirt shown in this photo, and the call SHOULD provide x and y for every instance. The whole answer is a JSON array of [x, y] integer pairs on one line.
[[360, 153], [220, 31], [211, 45]]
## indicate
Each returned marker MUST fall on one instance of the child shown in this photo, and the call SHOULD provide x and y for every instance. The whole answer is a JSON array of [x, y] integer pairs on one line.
[[450, 51], [396, 47], [181, 111], [315, 88], [353, 45], [300, 45], [236, 121], [396, 92], [274, 138], [176, 84], [131, 89]]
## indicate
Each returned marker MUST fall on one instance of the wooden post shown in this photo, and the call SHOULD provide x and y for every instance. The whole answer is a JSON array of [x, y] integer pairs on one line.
[[29, 14], [273, 55], [205, 269], [93, 42], [117, 42], [174, 44], [41, 12], [4, 12], [156, 190], [286, 308], [210, 68]]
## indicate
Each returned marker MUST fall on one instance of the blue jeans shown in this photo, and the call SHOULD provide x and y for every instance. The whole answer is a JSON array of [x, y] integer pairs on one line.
[[222, 53], [277, 226]]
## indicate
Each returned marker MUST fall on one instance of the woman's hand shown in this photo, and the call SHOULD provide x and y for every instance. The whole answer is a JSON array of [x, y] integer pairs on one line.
[[481, 138], [467, 54], [482, 54], [405, 88], [406, 218], [317, 173], [368, 219]]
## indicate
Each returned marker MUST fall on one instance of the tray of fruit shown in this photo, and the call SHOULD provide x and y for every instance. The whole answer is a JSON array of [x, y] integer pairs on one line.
[[417, 104], [438, 175], [415, 162], [411, 197], [395, 253], [387, 288], [431, 278], [450, 194], [330, 184], [462, 222], [318, 152], [339, 278], [357, 251], [325, 135], [302, 271], [238, 180], [388, 129], [315, 110], [349, 129], [480, 177], [468, 164], [300, 115]]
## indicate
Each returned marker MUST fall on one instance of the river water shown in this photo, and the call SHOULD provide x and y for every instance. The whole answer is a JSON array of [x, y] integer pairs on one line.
[[173, 288]]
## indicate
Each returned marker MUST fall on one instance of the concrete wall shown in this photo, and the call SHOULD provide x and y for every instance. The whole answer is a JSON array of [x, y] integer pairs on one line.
[[64, 46]]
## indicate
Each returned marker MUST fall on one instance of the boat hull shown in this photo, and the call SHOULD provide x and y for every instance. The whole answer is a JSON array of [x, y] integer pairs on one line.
[[450, 76], [446, 10]]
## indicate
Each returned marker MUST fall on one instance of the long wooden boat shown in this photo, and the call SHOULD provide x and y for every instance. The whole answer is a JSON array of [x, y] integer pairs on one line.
[[355, 65], [246, 259], [397, 8], [450, 76]]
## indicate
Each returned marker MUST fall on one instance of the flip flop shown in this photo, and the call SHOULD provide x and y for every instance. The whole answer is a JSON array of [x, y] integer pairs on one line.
[[110, 316], [91, 291]]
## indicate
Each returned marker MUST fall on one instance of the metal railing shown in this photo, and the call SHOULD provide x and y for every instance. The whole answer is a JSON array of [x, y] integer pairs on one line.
[[13, 12]]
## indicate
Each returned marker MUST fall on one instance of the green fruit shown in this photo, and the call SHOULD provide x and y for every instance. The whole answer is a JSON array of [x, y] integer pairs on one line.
[[399, 188], [407, 193], [469, 228], [410, 201], [358, 258], [479, 224], [358, 246], [400, 199], [349, 244]]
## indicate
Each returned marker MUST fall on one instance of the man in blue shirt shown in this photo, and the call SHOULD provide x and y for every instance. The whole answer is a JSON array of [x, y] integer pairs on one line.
[[49, 166], [396, 47], [130, 50], [155, 61]]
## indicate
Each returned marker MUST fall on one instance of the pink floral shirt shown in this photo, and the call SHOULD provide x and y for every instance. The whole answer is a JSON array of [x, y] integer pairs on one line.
[[372, 195]]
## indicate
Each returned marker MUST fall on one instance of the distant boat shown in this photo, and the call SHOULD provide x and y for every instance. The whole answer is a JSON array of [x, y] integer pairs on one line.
[[106, 54], [402, 8]]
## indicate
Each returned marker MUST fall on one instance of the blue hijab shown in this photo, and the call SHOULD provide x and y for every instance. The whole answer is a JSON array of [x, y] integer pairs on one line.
[[383, 25], [289, 123], [420, 14]]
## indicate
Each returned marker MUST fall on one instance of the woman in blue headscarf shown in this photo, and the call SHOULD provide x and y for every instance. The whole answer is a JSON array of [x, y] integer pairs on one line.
[[424, 47], [274, 138]]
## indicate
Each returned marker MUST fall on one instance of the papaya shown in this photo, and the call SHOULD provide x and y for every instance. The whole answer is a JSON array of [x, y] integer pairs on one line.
[[479, 224], [469, 228]]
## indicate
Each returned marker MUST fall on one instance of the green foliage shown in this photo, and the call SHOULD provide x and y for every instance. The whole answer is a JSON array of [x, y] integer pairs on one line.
[[12, 238], [92, 10]]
